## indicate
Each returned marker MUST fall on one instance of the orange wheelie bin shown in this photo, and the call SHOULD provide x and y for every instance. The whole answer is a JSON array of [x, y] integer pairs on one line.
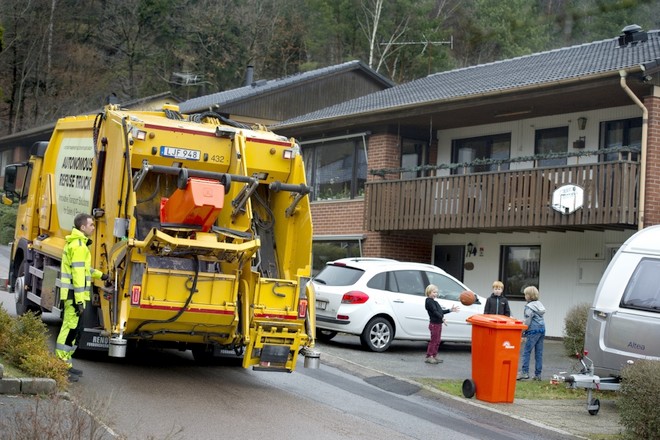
[[496, 341]]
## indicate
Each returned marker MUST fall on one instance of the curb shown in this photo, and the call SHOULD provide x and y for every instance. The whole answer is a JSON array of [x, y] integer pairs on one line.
[[26, 385], [336, 362]]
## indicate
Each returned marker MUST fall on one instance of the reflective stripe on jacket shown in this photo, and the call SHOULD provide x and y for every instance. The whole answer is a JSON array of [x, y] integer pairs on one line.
[[76, 272]]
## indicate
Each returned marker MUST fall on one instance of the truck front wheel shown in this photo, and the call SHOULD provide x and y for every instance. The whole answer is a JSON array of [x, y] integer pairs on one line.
[[23, 304]]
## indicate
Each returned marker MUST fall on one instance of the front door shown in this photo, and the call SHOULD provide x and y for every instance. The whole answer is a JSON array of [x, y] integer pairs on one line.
[[450, 259]]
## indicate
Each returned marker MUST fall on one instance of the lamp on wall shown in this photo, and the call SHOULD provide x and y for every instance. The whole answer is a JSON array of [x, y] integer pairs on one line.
[[471, 249], [582, 122]]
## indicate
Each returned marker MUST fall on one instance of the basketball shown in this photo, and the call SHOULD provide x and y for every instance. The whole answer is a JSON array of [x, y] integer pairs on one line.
[[466, 298]]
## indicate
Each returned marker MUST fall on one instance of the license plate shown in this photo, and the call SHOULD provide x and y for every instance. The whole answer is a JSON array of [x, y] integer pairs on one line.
[[321, 305], [180, 153]]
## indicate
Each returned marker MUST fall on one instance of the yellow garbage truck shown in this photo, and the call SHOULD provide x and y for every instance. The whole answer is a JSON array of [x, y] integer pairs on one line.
[[202, 223]]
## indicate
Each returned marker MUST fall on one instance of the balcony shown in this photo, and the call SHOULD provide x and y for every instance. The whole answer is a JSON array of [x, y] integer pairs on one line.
[[515, 200]]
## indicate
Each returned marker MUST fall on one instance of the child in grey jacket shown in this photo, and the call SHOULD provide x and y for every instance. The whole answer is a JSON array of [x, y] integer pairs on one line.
[[534, 311]]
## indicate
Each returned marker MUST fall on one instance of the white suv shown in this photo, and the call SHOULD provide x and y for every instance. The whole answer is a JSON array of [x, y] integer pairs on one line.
[[382, 300]]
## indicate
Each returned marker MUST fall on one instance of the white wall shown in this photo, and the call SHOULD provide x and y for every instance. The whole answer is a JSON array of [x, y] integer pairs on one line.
[[564, 257], [523, 131]]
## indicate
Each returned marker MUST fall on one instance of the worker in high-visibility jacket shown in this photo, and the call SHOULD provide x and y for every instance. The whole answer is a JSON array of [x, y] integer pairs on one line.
[[76, 283]]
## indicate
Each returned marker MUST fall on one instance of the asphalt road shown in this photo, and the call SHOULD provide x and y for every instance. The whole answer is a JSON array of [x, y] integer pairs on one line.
[[355, 394]]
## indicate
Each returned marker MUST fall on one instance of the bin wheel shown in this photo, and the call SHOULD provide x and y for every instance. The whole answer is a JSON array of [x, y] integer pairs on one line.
[[594, 406], [469, 388]]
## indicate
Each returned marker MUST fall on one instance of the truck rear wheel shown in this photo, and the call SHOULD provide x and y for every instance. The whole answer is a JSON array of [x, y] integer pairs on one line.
[[203, 355]]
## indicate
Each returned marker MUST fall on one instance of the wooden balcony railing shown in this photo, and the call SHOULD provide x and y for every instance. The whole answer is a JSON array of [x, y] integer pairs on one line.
[[507, 200]]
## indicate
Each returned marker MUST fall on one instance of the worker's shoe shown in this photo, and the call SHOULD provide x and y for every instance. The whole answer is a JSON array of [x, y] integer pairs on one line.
[[431, 360], [75, 371], [522, 376], [73, 377], [537, 378]]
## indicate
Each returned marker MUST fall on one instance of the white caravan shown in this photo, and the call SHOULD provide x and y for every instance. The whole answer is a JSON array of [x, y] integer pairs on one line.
[[624, 322]]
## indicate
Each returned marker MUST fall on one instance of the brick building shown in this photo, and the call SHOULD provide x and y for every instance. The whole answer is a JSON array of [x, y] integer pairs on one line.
[[532, 170]]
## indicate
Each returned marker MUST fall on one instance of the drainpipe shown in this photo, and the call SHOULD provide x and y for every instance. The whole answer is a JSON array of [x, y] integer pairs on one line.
[[645, 129]]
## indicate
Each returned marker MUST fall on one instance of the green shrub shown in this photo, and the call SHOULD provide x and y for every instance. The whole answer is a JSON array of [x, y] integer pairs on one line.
[[24, 344], [6, 322], [638, 401], [7, 223], [575, 326]]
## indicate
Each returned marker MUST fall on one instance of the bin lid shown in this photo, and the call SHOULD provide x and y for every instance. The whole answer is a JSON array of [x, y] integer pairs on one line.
[[496, 321]]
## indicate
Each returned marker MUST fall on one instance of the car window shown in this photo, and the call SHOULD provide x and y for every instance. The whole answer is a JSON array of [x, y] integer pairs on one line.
[[410, 281], [332, 275], [643, 290], [447, 288], [378, 281]]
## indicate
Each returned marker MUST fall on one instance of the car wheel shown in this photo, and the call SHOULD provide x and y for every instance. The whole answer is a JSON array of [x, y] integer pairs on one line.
[[325, 335], [377, 335]]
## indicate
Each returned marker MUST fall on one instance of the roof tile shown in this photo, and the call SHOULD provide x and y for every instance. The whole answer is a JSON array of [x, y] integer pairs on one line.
[[544, 68]]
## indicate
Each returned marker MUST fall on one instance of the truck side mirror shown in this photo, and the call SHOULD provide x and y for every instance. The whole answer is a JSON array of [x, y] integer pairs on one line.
[[9, 186]]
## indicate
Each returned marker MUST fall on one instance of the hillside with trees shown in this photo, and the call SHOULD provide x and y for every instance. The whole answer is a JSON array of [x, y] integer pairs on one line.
[[60, 57]]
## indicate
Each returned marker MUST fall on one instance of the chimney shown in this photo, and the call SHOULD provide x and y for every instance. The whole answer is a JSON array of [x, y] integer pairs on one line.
[[632, 34], [249, 75]]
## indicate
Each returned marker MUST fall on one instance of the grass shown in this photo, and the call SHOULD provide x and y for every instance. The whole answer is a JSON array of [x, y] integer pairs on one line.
[[10, 370], [527, 389]]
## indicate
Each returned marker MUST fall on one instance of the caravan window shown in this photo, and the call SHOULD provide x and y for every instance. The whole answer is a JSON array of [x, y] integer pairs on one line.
[[643, 290]]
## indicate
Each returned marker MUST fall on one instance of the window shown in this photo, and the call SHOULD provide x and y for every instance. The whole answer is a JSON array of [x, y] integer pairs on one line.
[[409, 281], [413, 154], [324, 251], [336, 170], [551, 140], [379, 281], [622, 133], [643, 290], [447, 288], [338, 275], [496, 147], [519, 268]]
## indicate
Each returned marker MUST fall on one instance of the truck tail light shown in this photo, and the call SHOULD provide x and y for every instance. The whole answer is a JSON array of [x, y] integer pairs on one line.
[[302, 308], [354, 297], [136, 293]]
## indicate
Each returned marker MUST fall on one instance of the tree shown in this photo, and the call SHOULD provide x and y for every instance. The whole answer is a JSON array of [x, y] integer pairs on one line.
[[89, 49]]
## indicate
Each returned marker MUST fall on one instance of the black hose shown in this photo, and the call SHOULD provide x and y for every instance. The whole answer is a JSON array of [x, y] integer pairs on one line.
[[198, 118], [193, 289]]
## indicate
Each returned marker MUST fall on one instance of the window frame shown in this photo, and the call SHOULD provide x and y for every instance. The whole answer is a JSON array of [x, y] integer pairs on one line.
[[488, 141], [555, 134], [511, 289], [628, 124], [310, 152]]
